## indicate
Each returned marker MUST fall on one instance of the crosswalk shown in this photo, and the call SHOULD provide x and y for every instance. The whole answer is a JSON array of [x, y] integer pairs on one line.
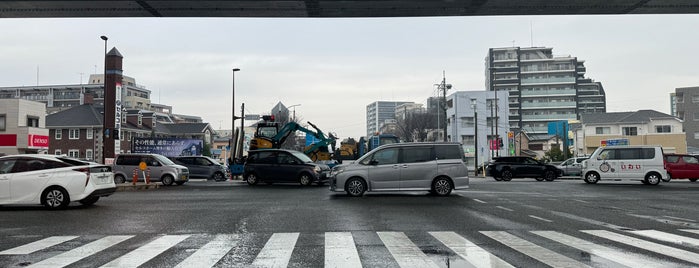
[[512, 248]]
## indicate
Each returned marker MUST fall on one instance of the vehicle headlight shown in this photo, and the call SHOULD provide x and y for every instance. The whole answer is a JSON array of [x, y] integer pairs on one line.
[[337, 170], [317, 169]]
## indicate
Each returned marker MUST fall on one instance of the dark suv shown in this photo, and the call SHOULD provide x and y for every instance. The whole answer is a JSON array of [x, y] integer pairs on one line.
[[508, 167], [202, 167], [277, 165]]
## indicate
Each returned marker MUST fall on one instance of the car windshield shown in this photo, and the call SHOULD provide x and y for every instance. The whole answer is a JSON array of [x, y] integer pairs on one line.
[[304, 158], [164, 159]]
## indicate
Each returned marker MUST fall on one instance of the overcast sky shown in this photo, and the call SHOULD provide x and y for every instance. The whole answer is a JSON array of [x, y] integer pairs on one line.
[[335, 67]]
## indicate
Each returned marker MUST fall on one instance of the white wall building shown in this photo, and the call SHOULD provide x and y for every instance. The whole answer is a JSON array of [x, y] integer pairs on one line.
[[23, 127]]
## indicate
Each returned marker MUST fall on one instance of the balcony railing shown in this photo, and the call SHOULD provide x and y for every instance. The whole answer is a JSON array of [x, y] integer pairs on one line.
[[570, 104], [548, 92], [548, 80]]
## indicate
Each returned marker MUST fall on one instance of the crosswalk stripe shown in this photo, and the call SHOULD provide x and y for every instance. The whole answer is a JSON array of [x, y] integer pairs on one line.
[[340, 250], [404, 251], [694, 231], [277, 251], [469, 251], [211, 253], [146, 252], [627, 259], [668, 237], [82, 252], [532, 250], [642, 244], [37, 245]]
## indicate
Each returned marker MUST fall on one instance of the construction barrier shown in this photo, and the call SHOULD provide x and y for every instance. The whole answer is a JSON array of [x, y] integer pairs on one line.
[[148, 176], [135, 176]]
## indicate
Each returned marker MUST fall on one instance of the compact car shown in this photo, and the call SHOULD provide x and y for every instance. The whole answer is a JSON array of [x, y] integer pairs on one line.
[[507, 167], [682, 166], [202, 167], [278, 165]]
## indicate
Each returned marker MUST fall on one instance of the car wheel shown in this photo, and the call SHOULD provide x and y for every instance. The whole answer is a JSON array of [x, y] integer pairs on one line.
[[89, 201], [549, 175], [693, 180], [251, 178], [355, 187], [497, 178], [506, 175], [652, 178], [441, 186], [218, 176], [168, 180], [305, 179], [119, 179], [55, 198], [180, 182], [591, 178], [539, 178]]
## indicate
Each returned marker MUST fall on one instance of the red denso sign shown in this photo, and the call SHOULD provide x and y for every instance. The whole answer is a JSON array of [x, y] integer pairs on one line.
[[38, 141]]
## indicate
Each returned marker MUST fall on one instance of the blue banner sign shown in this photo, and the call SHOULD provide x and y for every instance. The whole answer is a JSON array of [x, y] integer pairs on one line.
[[167, 146]]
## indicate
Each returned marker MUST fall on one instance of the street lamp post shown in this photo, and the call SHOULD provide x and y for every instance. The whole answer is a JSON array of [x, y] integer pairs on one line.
[[231, 142], [104, 92], [294, 116]]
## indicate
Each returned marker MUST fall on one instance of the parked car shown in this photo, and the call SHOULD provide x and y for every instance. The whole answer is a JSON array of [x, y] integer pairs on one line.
[[161, 169], [202, 167], [434, 167], [507, 167], [682, 166], [572, 166], [52, 181], [643, 163], [278, 165]]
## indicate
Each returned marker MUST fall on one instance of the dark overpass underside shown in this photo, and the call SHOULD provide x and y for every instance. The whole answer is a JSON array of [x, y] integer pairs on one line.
[[333, 8]]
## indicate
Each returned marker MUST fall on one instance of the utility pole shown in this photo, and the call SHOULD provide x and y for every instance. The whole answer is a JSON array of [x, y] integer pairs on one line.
[[475, 135], [444, 98]]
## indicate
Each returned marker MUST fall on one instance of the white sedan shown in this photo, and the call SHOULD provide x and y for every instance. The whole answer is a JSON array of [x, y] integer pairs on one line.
[[53, 181]]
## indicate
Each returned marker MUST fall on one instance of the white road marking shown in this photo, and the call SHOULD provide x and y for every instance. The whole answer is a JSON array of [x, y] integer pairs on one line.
[[211, 253], [540, 218], [340, 250], [668, 237], [504, 208], [530, 249], [277, 251], [480, 201], [642, 244], [694, 231], [404, 251], [678, 218], [623, 258], [37, 245], [590, 221], [146, 252], [82, 252], [581, 201], [472, 253]]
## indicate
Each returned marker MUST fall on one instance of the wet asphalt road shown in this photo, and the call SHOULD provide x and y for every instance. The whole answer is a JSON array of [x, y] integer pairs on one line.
[[200, 211]]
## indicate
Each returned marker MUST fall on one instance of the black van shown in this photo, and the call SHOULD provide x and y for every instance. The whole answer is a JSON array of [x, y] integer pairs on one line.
[[277, 165]]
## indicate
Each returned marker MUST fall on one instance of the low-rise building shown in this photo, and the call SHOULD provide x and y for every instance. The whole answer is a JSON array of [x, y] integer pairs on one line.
[[22, 127]]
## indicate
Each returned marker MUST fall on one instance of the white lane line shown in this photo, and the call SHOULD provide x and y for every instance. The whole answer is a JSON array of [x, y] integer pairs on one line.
[[581, 201], [642, 244], [146, 252], [480, 201], [277, 251], [668, 237], [69, 257], [340, 250], [404, 251], [620, 257], [678, 218], [541, 254], [211, 253], [504, 208], [469, 251], [540, 218], [37, 245], [694, 231], [590, 221]]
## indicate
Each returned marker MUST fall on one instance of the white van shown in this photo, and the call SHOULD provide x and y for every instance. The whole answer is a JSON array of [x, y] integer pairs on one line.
[[616, 163]]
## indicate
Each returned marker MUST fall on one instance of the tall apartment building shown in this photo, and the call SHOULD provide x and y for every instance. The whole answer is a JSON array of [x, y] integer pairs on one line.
[[62, 97], [542, 87], [686, 106], [378, 112]]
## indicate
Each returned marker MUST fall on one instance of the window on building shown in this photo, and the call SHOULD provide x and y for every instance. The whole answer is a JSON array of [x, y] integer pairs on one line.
[[468, 139], [74, 134], [629, 131], [680, 98], [663, 129], [88, 154], [32, 121], [536, 147], [89, 134], [467, 122], [695, 98], [3, 120], [59, 134], [603, 130], [696, 116], [74, 153], [57, 152], [696, 135]]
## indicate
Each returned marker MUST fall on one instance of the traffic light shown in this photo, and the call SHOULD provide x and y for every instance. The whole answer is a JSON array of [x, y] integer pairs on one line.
[[500, 145], [116, 134]]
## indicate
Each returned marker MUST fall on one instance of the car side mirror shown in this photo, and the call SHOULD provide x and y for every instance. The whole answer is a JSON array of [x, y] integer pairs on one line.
[[373, 162]]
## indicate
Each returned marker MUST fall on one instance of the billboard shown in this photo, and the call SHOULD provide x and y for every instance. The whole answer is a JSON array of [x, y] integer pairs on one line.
[[167, 146]]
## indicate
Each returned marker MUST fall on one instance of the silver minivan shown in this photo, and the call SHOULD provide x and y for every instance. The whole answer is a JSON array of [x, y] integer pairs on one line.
[[160, 168], [435, 167]]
